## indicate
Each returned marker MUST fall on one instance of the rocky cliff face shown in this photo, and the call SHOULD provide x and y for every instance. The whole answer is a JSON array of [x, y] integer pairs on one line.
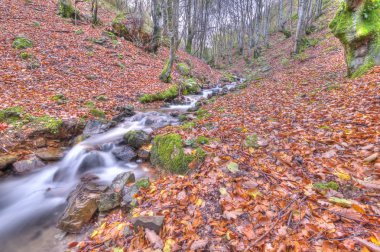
[[357, 26]]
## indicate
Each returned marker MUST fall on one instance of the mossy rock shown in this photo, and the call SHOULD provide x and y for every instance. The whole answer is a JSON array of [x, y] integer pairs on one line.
[[137, 138], [183, 69], [357, 26], [11, 115], [168, 153], [119, 27], [67, 10], [167, 95], [22, 43], [191, 86]]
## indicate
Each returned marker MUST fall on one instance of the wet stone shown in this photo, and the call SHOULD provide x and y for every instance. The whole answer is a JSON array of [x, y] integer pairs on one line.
[[28, 165], [154, 223]]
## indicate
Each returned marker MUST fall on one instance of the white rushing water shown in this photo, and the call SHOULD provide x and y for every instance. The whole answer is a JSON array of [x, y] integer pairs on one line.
[[30, 201]]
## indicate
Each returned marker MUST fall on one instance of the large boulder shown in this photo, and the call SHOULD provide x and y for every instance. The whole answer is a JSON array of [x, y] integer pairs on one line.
[[124, 153], [30, 164], [357, 26], [136, 138], [7, 160], [93, 159], [82, 205], [168, 153]]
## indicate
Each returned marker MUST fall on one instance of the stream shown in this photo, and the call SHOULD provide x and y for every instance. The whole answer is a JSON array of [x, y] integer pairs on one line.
[[31, 205]]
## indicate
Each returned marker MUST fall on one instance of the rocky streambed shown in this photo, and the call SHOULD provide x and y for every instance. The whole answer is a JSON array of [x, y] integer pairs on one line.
[[103, 171]]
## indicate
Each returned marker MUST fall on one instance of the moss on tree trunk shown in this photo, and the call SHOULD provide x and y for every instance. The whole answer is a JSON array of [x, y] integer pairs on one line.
[[357, 26]]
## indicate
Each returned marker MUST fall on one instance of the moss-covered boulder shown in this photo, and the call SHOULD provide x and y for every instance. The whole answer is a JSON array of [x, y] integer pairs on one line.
[[183, 69], [133, 27], [169, 154], [67, 10], [191, 86], [137, 138], [357, 26], [21, 42]]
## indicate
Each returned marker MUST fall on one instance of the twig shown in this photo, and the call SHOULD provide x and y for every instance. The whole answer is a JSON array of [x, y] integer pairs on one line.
[[369, 245], [279, 217]]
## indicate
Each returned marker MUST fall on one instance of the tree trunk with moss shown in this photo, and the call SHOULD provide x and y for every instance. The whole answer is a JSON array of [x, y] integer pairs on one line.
[[66, 9], [157, 25], [357, 26], [173, 8]]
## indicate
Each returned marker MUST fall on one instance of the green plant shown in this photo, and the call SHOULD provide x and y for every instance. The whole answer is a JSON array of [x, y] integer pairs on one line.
[[58, 97], [22, 43], [121, 65], [285, 62], [11, 115], [202, 140]]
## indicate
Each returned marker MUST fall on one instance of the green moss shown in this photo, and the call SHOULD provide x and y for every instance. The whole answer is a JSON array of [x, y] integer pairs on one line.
[[25, 55], [191, 86], [229, 77], [51, 123], [202, 140], [67, 10], [90, 104], [202, 114], [165, 74], [98, 113], [184, 69], [22, 43], [58, 97], [167, 95], [102, 98], [169, 154], [188, 125], [325, 186], [11, 115], [358, 29], [143, 183]]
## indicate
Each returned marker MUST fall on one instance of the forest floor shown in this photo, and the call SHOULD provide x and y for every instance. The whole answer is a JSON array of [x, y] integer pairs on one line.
[[292, 163], [292, 159]]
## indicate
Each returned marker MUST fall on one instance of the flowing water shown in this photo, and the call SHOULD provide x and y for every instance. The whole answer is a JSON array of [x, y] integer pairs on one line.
[[30, 205]]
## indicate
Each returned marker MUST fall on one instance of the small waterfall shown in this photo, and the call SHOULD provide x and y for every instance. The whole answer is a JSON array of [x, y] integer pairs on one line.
[[29, 201]]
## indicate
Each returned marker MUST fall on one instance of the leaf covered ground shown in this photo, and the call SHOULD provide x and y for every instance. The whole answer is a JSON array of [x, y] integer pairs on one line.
[[292, 165]]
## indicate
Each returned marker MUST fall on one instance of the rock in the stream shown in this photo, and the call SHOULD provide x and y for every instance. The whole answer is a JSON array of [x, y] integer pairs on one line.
[[151, 222], [7, 160], [136, 138], [94, 127], [129, 200], [124, 153], [92, 160], [112, 197], [49, 154], [143, 153], [126, 111], [27, 165], [82, 204], [122, 180]]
